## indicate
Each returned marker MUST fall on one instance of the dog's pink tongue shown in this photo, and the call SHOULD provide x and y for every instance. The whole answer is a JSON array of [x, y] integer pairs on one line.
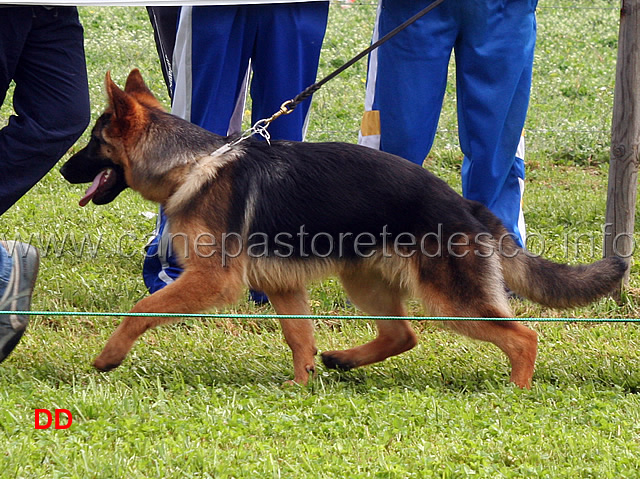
[[97, 181]]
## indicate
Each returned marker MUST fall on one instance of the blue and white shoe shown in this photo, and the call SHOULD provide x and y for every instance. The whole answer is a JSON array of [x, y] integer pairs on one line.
[[17, 296]]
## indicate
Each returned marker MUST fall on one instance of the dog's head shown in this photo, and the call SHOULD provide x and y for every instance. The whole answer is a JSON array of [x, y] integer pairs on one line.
[[106, 160]]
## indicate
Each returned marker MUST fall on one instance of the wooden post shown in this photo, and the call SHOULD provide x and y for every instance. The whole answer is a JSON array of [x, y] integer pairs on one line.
[[625, 138]]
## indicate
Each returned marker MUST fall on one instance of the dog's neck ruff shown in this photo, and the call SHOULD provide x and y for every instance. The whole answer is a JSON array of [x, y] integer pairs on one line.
[[203, 171]]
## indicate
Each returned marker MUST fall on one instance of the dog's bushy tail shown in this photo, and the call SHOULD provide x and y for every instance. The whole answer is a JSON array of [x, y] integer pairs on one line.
[[555, 285], [558, 285]]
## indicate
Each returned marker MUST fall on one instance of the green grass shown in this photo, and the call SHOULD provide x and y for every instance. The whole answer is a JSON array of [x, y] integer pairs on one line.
[[204, 398]]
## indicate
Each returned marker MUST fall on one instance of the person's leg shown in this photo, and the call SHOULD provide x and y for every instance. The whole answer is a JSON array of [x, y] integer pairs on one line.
[[164, 21], [210, 63], [406, 79], [18, 270], [211, 59], [160, 267], [494, 58], [15, 25], [51, 96], [5, 269], [284, 58], [285, 61]]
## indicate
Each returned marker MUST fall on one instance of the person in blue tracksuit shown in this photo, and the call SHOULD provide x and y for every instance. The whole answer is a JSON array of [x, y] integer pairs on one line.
[[493, 42], [42, 52], [216, 48]]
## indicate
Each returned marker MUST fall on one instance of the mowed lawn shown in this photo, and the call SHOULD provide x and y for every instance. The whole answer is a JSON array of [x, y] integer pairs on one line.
[[204, 398]]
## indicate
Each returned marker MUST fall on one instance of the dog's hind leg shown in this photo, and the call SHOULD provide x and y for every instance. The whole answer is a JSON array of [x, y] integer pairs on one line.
[[518, 342], [297, 332], [192, 292], [375, 296]]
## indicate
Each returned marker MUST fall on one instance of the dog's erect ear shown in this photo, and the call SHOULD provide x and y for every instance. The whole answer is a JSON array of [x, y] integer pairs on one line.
[[126, 109], [136, 87], [135, 83], [121, 102]]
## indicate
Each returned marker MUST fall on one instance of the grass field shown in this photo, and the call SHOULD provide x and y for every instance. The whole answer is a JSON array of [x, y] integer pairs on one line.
[[204, 398]]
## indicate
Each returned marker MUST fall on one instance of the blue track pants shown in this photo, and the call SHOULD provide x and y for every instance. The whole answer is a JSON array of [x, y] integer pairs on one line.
[[493, 42], [216, 48]]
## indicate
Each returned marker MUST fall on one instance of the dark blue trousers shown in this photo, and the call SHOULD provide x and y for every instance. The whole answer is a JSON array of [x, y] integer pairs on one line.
[[42, 51]]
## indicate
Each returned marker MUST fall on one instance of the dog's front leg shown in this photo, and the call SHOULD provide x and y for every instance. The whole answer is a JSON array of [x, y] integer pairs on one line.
[[297, 332], [192, 292]]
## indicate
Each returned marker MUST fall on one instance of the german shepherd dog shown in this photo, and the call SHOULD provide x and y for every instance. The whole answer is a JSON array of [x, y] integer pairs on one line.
[[274, 216]]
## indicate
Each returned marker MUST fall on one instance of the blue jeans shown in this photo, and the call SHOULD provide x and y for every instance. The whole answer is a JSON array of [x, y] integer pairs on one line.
[[5, 269]]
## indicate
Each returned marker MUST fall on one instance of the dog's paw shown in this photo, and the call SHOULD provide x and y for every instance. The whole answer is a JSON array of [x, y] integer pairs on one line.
[[104, 365], [337, 360], [302, 380], [291, 383]]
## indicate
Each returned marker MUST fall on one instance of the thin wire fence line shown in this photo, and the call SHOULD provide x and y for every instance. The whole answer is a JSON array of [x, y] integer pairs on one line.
[[314, 316]]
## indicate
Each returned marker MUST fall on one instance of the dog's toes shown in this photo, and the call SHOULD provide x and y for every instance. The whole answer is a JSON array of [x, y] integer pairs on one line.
[[333, 360], [104, 365], [302, 380], [293, 383]]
